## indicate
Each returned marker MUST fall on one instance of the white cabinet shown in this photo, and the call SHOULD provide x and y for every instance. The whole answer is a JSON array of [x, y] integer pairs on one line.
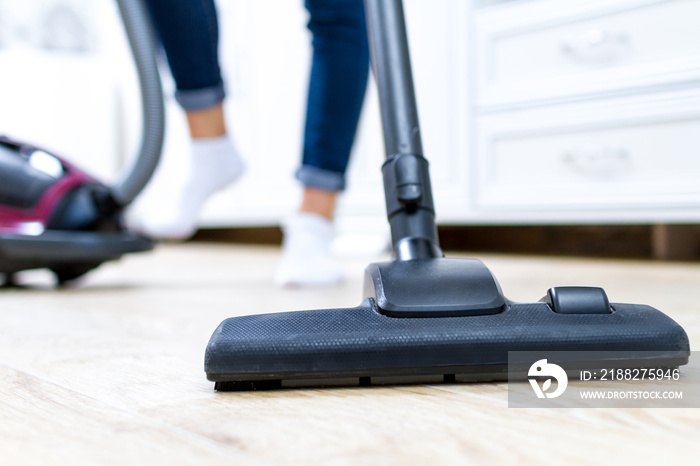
[[586, 111]]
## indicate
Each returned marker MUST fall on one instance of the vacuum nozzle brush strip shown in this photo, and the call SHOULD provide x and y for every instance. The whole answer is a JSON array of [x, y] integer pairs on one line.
[[139, 32]]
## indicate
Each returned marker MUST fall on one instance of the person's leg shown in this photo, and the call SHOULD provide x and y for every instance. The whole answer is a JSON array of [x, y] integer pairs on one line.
[[188, 30], [337, 84]]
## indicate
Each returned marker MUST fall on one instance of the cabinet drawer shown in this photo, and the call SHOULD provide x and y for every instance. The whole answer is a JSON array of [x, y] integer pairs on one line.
[[526, 53], [640, 154]]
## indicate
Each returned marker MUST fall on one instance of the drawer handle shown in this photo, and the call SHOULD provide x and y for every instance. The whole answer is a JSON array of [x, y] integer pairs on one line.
[[596, 159], [596, 45]]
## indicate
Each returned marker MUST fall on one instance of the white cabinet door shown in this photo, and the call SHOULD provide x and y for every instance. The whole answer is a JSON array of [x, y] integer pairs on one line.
[[620, 155], [562, 49]]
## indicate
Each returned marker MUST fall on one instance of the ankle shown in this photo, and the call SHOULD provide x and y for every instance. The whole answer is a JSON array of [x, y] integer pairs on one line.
[[207, 123], [318, 201]]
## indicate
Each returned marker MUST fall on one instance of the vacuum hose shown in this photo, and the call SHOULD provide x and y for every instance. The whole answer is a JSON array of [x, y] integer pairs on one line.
[[139, 32]]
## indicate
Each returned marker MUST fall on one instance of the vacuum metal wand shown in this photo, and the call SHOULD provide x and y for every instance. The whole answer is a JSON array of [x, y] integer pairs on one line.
[[406, 180]]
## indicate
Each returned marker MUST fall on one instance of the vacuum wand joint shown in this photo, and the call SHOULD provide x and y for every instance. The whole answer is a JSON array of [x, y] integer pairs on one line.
[[407, 172], [410, 208]]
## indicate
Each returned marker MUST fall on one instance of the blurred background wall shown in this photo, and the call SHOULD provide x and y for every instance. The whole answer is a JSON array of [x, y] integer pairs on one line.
[[534, 113]]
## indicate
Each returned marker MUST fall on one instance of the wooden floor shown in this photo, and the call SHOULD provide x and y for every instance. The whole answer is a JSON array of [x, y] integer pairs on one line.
[[111, 372]]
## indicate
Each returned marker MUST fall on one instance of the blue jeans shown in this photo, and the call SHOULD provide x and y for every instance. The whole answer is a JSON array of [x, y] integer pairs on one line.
[[188, 30]]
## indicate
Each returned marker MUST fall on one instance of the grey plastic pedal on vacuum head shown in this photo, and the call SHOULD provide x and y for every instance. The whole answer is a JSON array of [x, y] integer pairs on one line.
[[425, 318]]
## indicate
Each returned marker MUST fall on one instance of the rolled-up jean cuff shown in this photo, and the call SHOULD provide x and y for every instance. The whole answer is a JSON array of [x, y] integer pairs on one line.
[[199, 99], [319, 178]]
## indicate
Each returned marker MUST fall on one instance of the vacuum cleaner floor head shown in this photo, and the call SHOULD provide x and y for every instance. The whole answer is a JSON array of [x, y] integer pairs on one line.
[[365, 346]]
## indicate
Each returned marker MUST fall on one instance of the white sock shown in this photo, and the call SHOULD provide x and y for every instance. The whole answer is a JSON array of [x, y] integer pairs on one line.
[[214, 163], [306, 255]]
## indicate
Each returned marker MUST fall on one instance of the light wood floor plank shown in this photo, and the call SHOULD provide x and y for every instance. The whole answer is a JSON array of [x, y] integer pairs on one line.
[[43, 423]]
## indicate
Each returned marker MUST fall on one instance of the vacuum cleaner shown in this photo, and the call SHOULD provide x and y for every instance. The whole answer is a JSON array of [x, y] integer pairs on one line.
[[426, 318], [55, 216]]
